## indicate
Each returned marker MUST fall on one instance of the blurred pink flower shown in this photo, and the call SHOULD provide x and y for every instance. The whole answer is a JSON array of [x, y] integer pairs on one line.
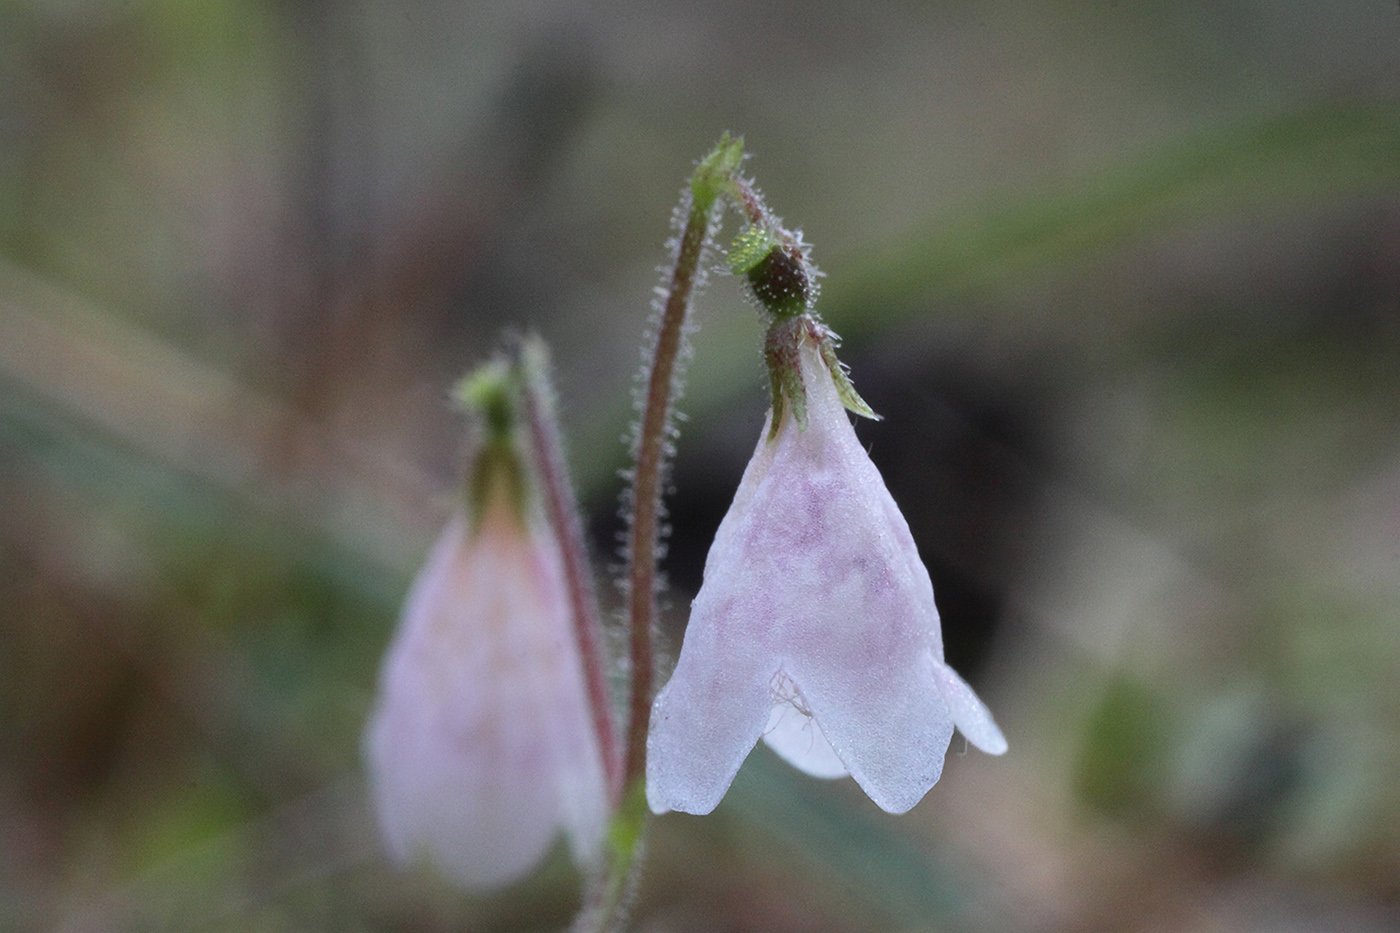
[[481, 748], [815, 628]]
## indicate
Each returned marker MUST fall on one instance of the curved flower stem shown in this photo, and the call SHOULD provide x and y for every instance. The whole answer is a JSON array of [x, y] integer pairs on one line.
[[715, 174], [646, 490], [608, 897], [562, 509]]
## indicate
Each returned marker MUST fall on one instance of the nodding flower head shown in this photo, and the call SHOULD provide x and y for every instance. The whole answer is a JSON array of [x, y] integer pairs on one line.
[[815, 627], [480, 746]]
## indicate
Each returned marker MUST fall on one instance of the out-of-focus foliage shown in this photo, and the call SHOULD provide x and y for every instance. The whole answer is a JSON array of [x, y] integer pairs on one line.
[[1124, 280]]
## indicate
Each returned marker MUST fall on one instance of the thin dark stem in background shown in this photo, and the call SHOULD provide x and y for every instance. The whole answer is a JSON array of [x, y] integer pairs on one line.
[[562, 508]]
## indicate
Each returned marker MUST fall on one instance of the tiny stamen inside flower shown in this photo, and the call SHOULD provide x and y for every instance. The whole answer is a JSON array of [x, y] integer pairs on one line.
[[785, 692], [794, 733]]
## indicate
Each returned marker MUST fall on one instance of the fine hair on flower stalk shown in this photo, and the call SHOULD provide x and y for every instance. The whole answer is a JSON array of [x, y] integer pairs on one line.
[[653, 437]]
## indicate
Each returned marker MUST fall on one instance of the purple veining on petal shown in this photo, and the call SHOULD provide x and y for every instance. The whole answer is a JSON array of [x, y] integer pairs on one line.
[[814, 584]]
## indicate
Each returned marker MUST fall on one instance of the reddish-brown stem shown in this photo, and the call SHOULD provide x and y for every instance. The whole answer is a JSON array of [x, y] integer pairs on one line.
[[714, 176], [646, 488], [750, 202], [562, 509]]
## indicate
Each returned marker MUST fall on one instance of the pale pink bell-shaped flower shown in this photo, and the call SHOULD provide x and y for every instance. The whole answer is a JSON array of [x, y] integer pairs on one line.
[[815, 628], [481, 748]]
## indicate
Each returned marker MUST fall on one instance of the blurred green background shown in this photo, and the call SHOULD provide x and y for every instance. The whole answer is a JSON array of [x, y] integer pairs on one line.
[[1124, 280]]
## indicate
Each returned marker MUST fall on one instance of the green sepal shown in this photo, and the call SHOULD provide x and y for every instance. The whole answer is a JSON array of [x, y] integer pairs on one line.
[[844, 389], [750, 248], [490, 390], [781, 349], [497, 469], [780, 352]]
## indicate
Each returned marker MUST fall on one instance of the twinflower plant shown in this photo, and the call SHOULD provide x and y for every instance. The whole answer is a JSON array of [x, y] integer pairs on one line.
[[814, 630]]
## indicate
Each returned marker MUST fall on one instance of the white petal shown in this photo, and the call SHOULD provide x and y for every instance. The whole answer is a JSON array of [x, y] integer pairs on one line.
[[970, 714], [481, 749], [706, 720], [813, 574], [749, 484], [857, 609], [891, 730]]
